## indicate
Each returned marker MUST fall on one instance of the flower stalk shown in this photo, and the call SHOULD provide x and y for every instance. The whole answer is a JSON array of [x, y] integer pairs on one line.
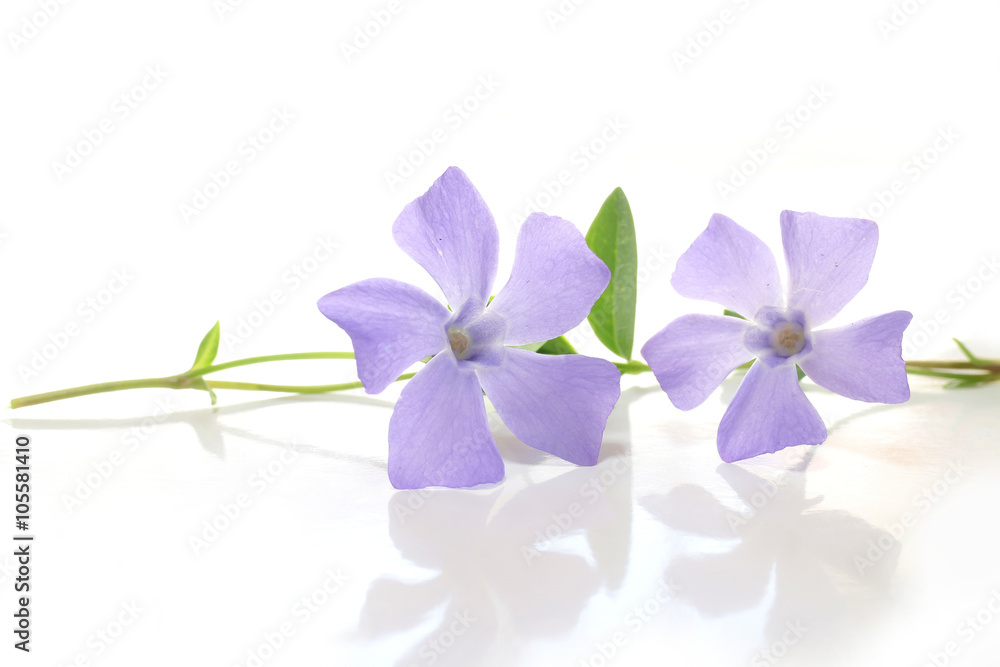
[[193, 379], [973, 372]]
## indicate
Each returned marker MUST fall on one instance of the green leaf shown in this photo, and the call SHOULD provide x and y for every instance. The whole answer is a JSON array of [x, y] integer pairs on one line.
[[612, 238], [801, 373], [208, 349], [202, 385], [971, 357], [556, 346], [732, 313]]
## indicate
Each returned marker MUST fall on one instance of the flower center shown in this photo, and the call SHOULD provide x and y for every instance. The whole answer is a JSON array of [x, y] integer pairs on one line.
[[459, 342], [475, 335], [779, 336], [788, 338]]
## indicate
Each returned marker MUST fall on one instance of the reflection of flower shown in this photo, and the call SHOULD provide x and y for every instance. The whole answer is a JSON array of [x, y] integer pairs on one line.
[[439, 434], [828, 262], [818, 562], [500, 564]]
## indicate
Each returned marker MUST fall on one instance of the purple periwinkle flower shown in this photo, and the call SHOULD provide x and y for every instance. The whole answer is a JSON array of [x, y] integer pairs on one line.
[[439, 434], [828, 263]]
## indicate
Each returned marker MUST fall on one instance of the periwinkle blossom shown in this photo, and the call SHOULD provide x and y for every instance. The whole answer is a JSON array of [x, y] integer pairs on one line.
[[828, 261], [438, 433]]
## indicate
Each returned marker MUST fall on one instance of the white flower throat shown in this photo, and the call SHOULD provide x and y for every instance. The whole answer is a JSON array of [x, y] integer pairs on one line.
[[459, 342], [788, 338]]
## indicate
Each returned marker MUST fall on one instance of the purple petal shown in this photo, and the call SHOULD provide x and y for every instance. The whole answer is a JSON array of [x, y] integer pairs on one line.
[[828, 261], [694, 354], [730, 266], [439, 434], [392, 325], [556, 403], [863, 360], [769, 412], [554, 283], [451, 233]]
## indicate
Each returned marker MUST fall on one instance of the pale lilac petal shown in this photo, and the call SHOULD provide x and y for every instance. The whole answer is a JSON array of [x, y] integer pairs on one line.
[[729, 266], [451, 233], [556, 403], [828, 261], [769, 412], [439, 434], [863, 360], [391, 324], [694, 354], [554, 283]]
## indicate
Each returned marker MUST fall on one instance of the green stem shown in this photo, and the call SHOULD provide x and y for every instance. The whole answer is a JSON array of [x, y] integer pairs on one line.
[[271, 357], [969, 373], [295, 388], [99, 388], [986, 366], [184, 380], [980, 371], [952, 376]]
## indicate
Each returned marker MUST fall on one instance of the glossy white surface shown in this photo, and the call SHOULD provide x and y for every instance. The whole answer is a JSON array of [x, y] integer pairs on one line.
[[659, 548], [660, 553]]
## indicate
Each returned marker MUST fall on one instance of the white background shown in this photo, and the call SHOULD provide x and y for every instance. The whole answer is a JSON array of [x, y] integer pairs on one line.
[[884, 81]]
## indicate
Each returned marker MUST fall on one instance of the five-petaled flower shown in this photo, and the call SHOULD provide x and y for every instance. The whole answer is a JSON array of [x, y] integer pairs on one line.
[[828, 263], [439, 434]]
